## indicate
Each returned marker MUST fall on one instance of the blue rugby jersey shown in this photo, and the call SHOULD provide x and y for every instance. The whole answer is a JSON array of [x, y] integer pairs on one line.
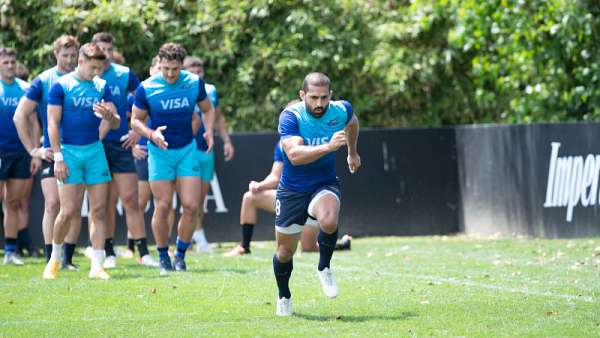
[[10, 94], [278, 153], [171, 105], [211, 91], [297, 121], [121, 81], [78, 125], [38, 92]]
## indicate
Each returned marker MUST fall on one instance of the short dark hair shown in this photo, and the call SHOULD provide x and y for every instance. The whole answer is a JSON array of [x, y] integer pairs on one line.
[[316, 79], [91, 51], [65, 41], [103, 37], [7, 51], [193, 61], [172, 52]]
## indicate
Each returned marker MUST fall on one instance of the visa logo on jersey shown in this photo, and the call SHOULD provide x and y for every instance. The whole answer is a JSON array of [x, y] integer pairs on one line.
[[85, 102], [114, 90], [177, 103], [10, 101], [315, 141]]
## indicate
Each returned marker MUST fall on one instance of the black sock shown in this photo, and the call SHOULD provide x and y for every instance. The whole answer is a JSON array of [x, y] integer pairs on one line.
[[247, 230], [283, 272], [109, 247], [326, 246], [131, 244], [48, 251], [142, 246], [69, 250], [24, 241]]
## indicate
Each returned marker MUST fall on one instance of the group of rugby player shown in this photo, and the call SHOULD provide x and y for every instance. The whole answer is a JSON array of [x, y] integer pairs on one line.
[[109, 134]]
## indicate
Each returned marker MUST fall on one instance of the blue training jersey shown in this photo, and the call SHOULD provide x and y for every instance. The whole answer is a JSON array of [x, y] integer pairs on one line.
[[211, 91], [171, 105], [297, 121], [277, 153], [78, 125], [10, 94], [38, 92], [121, 81]]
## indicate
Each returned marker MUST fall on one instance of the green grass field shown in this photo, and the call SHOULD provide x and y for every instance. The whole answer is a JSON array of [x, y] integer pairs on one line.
[[425, 286]]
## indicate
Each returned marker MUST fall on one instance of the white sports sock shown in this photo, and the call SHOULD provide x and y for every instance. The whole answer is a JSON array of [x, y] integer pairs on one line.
[[56, 251], [97, 259]]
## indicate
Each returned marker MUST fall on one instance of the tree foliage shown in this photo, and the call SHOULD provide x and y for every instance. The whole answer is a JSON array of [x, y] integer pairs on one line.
[[401, 63]]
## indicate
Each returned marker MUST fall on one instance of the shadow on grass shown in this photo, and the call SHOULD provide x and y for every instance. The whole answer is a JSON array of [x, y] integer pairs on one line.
[[133, 272], [356, 319]]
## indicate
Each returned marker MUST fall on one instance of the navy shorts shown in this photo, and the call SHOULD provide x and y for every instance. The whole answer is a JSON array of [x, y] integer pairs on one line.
[[120, 160], [14, 164], [141, 166], [47, 169], [292, 208]]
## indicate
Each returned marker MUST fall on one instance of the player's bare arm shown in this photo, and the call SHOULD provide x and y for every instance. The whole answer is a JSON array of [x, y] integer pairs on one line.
[[208, 110], [352, 140], [269, 182], [138, 119], [54, 115], [300, 154]]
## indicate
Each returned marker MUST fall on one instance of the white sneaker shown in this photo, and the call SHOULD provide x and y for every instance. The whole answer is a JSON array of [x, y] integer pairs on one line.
[[284, 307], [328, 283], [110, 262], [88, 252], [147, 260], [13, 259]]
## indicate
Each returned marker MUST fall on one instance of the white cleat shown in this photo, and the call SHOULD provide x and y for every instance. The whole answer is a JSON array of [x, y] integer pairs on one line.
[[98, 273], [203, 248], [110, 262], [88, 252], [328, 283], [284, 307], [12, 259], [147, 260]]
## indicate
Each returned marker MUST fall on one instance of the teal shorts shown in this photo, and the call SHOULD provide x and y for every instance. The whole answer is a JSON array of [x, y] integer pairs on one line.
[[86, 163], [168, 164], [207, 165]]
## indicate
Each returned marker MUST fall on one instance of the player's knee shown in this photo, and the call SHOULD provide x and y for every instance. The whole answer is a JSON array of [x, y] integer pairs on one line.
[[189, 207], [328, 221], [284, 254], [13, 203], [130, 202], [162, 205], [67, 211], [98, 211]]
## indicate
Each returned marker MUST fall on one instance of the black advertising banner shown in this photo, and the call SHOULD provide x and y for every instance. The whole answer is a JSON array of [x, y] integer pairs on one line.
[[406, 186], [537, 180]]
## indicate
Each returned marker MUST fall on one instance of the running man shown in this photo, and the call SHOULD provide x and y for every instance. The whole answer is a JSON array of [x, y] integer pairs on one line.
[[195, 65], [169, 98], [261, 195], [79, 105], [65, 51], [311, 132], [16, 166], [118, 144]]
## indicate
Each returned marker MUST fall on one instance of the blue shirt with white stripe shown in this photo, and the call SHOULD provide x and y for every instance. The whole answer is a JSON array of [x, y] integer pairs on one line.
[[38, 92], [10, 94], [78, 124], [171, 105], [211, 91], [121, 81], [297, 121]]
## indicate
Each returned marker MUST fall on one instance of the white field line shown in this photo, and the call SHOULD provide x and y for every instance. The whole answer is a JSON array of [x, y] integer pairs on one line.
[[455, 281]]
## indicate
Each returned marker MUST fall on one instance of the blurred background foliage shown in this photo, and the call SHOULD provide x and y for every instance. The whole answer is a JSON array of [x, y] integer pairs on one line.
[[401, 63]]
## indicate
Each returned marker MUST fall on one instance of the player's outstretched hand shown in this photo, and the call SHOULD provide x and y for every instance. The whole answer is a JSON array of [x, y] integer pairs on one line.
[[353, 163], [158, 138], [131, 140], [337, 140], [138, 152]]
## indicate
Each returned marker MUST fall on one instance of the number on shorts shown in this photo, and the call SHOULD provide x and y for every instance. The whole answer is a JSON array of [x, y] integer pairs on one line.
[[277, 207]]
